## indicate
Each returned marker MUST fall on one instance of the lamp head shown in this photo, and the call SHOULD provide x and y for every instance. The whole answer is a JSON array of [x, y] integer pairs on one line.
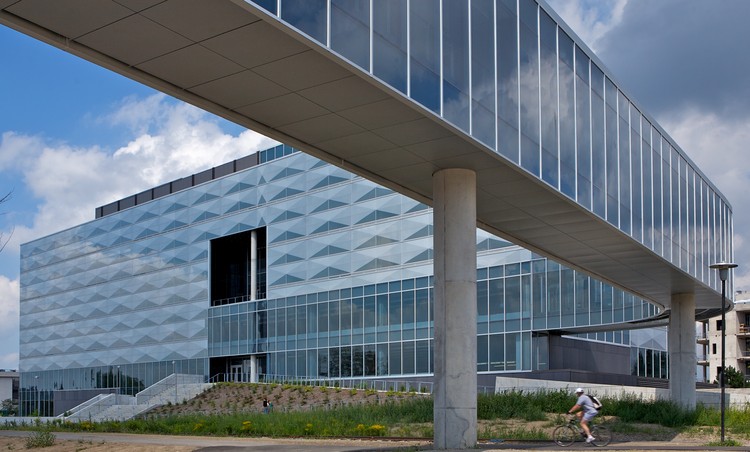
[[723, 268]]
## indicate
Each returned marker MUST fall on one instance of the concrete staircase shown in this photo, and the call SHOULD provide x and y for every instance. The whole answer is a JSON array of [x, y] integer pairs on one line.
[[174, 389]]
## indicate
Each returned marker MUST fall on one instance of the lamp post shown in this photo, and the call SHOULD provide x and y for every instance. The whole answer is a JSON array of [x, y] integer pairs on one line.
[[723, 268], [174, 374]]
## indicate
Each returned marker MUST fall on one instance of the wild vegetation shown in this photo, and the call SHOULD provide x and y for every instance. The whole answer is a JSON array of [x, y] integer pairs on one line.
[[235, 409]]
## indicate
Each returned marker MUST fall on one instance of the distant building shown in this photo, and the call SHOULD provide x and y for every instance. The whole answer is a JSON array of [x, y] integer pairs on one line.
[[737, 340], [9, 380]]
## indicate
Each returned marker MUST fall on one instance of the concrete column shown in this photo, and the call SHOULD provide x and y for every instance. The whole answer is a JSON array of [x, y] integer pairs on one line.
[[253, 369], [455, 349], [682, 360]]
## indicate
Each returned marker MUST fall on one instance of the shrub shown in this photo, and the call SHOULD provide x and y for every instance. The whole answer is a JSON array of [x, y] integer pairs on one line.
[[40, 438]]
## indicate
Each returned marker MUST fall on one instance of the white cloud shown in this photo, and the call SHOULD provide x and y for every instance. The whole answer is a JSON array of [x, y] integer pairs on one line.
[[590, 19], [718, 146], [9, 317], [171, 140]]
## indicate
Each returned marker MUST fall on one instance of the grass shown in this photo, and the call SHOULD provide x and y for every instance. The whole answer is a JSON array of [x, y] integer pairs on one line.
[[503, 415]]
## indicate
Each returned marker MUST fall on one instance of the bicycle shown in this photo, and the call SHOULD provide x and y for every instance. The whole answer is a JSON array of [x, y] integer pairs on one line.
[[570, 432]]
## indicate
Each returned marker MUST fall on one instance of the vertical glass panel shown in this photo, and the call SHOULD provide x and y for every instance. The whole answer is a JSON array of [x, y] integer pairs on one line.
[[394, 316], [666, 207], [346, 362], [567, 296], [358, 361], [553, 294], [598, 142], [382, 359], [582, 299], [606, 303], [268, 5], [389, 42], [675, 178], [408, 362], [483, 72], [482, 353], [548, 93], [423, 357], [350, 30], [394, 358], [656, 178], [482, 307], [513, 351], [323, 365], [529, 87], [513, 303], [496, 296], [408, 314], [647, 191], [612, 172], [497, 352], [370, 360], [624, 164], [636, 175], [456, 62], [567, 115], [539, 294], [424, 42], [507, 79], [309, 16], [583, 128]]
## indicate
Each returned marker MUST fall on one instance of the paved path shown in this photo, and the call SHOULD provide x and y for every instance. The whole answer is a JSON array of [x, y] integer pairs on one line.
[[228, 444]]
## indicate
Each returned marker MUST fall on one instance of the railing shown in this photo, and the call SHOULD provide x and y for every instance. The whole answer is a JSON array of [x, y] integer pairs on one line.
[[395, 385]]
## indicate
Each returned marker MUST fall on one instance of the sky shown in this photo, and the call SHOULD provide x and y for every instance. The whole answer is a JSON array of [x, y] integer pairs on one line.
[[74, 136]]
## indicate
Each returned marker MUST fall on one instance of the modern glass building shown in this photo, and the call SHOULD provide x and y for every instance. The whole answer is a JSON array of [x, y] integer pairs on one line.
[[408, 93], [163, 282]]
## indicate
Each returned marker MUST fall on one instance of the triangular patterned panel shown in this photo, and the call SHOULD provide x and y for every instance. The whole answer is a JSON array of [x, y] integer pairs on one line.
[[145, 323], [374, 193], [375, 264], [329, 226], [205, 197], [145, 304], [426, 231], [421, 257], [286, 172], [328, 204], [375, 215], [287, 258], [174, 207], [239, 186], [174, 281], [145, 340], [286, 215], [200, 255], [146, 232], [329, 250], [96, 345], [174, 225], [285, 235], [174, 336], [120, 343], [75, 348], [239, 205], [286, 279], [328, 180], [147, 215], [375, 241], [285, 193]]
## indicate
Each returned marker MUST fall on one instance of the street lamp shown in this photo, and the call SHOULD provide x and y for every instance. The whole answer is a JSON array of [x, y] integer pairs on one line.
[[723, 268]]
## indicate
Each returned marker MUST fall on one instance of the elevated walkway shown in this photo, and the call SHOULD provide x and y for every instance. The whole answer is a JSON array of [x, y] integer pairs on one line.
[[174, 389]]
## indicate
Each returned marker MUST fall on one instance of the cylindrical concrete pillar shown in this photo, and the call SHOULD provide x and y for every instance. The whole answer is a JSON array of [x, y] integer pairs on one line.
[[455, 355], [681, 347]]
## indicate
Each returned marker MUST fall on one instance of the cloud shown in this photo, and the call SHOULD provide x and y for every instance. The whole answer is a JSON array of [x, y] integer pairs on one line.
[[718, 146], [590, 19], [170, 140], [677, 54], [9, 317]]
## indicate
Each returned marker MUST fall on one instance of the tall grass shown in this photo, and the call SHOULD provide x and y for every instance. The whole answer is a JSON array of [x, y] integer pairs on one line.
[[415, 414]]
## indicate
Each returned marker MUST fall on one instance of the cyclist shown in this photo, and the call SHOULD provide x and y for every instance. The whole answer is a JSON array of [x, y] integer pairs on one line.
[[584, 411]]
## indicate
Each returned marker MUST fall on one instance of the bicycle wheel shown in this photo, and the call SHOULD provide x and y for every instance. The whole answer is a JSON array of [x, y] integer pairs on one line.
[[565, 435], [602, 435]]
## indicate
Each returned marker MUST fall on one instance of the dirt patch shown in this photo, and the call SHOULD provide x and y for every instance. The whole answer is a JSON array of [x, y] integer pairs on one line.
[[233, 398], [89, 446]]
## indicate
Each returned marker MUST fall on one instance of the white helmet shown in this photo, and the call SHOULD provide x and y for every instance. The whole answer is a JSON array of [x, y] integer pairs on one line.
[[579, 390]]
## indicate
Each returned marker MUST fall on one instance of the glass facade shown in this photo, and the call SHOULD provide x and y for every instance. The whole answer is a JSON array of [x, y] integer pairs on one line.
[[344, 287], [511, 75]]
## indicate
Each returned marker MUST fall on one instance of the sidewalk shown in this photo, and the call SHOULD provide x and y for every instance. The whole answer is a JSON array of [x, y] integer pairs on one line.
[[151, 443]]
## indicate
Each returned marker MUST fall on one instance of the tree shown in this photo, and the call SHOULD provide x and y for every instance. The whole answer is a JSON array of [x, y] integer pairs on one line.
[[735, 378], [4, 241], [8, 408]]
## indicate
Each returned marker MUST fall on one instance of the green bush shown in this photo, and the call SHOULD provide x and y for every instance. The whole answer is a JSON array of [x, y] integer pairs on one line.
[[40, 438]]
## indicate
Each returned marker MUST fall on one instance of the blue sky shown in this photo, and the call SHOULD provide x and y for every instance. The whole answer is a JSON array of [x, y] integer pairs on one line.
[[74, 136]]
